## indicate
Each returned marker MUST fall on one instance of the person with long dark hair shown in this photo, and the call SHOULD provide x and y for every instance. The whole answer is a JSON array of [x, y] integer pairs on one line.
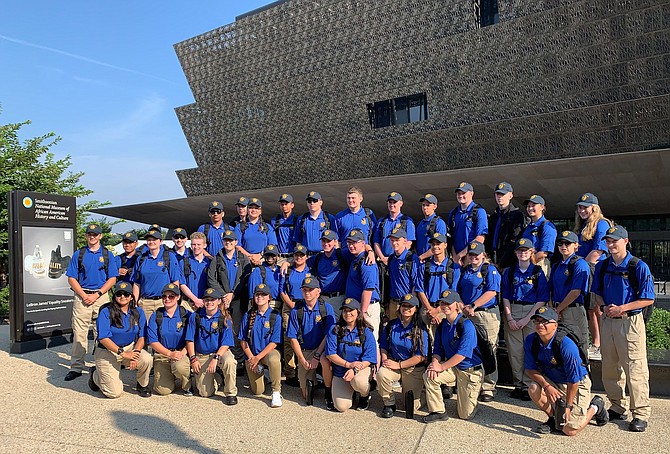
[[121, 336]]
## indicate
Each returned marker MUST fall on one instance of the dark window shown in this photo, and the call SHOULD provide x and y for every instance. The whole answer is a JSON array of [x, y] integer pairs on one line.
[[398, 111], [486, 12]]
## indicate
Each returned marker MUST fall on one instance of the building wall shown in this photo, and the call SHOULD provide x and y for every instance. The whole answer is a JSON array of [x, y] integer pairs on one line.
[[281, 95]]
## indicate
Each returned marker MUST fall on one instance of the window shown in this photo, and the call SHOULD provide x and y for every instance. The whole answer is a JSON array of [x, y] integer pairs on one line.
[[486, 12], [398, 111]]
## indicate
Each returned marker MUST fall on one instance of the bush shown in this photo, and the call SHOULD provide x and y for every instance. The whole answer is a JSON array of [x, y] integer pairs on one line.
[[4, 302], [658, 330]]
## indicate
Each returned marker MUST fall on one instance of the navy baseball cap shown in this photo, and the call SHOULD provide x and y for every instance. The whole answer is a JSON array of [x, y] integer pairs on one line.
[[310, 282], [286, 198], [430, 198], [618, 232], [356, 235], [524, 243], [154, 234], [410, 299], [546, 313], [174, 288], [398, 232], [437, 236], [94, 228], [215, 205], [588, 199], [503, 188], [123, 287], [394, 196], [270, 249], [299, 249], [178, 232], [475, 247], [242, 201], [465, 187], [212, 293], [255, 201], [313, 195], [229, 235], [450, 297], [262, 288], [130, 236], [329, 235], [351, 303], [567, 236], [535, 199]]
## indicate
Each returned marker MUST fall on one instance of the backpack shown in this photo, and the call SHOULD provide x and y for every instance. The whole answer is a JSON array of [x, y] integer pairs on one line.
[[408, 264], [273, 321], [631, 275], [276, 223], [368, 220], [473, 216], [145, 254], [561, 333], [535, 277], [300, 312], [160, 313], [303, 219], [484, 271], [485, 349], [207, 228], [556, 256], [361, 338], [221, 324], [262, 227], [403, 223], [448, 273], [105, 259]]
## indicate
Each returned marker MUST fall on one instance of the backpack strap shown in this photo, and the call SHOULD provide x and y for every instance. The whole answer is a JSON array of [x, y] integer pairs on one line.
[[632, 276]]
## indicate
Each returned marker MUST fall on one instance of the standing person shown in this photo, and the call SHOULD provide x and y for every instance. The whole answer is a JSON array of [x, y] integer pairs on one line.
[[307, 327], [403, 267], [269, 274], [466, 223], [355, 216], [155, 268], [91, 273], [524, 289], [540, 231], [253, 234], [259, 336], [128, 257], [209, 337], [214, 229], [351, 349], [121, 335], [363, 281], [312, 224], [404, 349], [591, 226], [179, 236], [568, 286], [330, 267], [194, 267], [428, 226], [559, 377], [166, 335], [506, 226], [623, 286], [456, 362], [284, 228], [242, 208], [478, 286]]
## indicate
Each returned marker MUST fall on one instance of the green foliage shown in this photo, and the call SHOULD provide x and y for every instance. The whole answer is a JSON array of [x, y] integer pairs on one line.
[[658, 330], [4, 302]]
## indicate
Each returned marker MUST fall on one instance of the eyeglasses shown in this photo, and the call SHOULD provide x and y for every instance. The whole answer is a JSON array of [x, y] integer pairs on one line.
[[254, 207], [178, 237], [541, 321], [563, 243], [122, 295], [169, 296], [312, 200], [214, 211]]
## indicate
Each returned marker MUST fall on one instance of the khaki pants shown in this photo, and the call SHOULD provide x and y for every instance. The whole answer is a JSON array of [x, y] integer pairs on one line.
[[289, 355], [575, 318], [468, 386], [166, 371], [514, 341], [149, 306], [374, 319], [107, 373], [82, 318], [392, 309], [411, 378], [304, 374], [490, 320], [343, 390], [546, 267], [581, 403], [273, 362], [623, 345], [431, 328], [205, 382]]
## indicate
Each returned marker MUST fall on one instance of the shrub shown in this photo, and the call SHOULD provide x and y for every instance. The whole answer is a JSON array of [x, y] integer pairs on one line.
[[4, 302], [658, 330]]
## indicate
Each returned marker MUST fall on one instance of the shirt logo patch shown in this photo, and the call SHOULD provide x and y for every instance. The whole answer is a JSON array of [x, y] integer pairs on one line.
[[479, 275], [363, 221], [553, 361], [179, 325], [160, 263], [101, 259], [215, 325], [267, 324], [318, 318], [323, 224], [334, 262]]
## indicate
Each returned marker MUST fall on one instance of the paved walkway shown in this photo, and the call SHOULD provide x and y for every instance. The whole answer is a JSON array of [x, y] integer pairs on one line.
[[42, 413]]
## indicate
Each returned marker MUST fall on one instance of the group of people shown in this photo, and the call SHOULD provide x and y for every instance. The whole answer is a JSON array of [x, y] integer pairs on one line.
[[375, 302]]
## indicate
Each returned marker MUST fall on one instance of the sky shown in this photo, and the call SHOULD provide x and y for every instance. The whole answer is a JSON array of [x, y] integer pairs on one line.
[[103, 75]]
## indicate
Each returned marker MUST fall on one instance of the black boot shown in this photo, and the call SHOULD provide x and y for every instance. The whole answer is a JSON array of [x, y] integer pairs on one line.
[[329, 399]]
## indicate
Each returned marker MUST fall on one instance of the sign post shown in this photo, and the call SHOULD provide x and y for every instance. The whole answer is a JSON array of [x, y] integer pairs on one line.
[[42, 238]]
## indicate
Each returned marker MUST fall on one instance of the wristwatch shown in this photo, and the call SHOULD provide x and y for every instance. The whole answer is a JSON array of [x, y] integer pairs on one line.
[[119, 350]]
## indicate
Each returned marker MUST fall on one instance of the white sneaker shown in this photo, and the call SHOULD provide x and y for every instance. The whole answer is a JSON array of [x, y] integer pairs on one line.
[[594, 353], [277, 400]]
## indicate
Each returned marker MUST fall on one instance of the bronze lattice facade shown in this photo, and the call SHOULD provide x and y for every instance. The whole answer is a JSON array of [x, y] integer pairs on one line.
[[282, 95]]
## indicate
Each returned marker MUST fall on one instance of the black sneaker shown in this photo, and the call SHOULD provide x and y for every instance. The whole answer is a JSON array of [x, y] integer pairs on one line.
[[189, 392], [435, 416], [614, 416], [143, 391], [516, 393], [547, 427], [72, 375], [293, 381], [310, 392], [387, 411], [363, 403], [230, 400], [637, 425], [91, 384], [601, 417], [486, 398]]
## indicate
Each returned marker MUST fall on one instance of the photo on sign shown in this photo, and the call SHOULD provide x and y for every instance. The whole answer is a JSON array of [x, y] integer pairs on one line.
[[46, 255]]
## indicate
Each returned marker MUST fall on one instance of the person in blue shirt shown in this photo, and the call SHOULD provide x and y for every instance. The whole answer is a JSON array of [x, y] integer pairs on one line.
[[90, 274], [179, 236], [524, 289], [269, 274], [363, 280], [355, 216], [330, 267], [428, 226], [128, 257], [311, 225], [308, 324], [456, 362], [242, 208], [284, 227], [540, 231], [209, 337], [166, 335], [194, 267], [623, 338], [467, 222], [351, 349], [121, 336], [569, 285], [214, 229], [253, 234], [404, 349], [478, 286], [563, 379], [260, 334], [403, 267]]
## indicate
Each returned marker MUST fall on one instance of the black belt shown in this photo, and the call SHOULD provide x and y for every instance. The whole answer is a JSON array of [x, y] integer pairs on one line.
[[286, 256], [473, 368], [435, 304], [90, 292], [332, 294], [484, 309], [523, 303], [152, 297], [628, 313], [102, 346], [575, 304]]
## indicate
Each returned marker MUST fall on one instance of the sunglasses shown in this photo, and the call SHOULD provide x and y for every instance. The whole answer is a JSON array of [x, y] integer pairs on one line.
[[312, 200], [563, 243], [214, 211], [406, 306], [122, 294]]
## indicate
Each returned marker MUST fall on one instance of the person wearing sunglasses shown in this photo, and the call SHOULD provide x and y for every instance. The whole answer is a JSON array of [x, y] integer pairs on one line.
[[311, 225]]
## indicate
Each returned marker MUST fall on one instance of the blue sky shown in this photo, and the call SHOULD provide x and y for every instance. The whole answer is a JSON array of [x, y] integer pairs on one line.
[[104, 76]]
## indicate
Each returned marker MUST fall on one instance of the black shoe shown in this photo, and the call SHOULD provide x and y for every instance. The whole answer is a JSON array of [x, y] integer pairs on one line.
[[516, 393], [388, 411], [434, 416], [230, 400], [614, 416], [293, 381], [329, 399], [637, 425], [189, 392], [72, 375], [363, 403], [310, 392], [447, 392], [525, 396], [143, 391], [91, 384], [547, 427], [486, 398], [601, 417]]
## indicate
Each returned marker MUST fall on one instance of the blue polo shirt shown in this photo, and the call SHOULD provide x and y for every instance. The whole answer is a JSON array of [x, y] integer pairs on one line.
[[615, 289], [351, 353], [260, 332], [172, 331], [545, 242], [120, 336], [362, 277], [129, 263], [401, 283], [313, 227], [597, 242], [331, 271], [522, 288], [346, 221], [462, 230], [468, 285], [253, 240], [572, 370], [437, 283], [93, 276], [561, 283], [423, 234], [231, 268], [196, 281], [314, 326], [272, 277], [399, 345], [154, 274], [291, 286], [385, 226], [214, 237], [210, 336], [447, 344], [284, 232]]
